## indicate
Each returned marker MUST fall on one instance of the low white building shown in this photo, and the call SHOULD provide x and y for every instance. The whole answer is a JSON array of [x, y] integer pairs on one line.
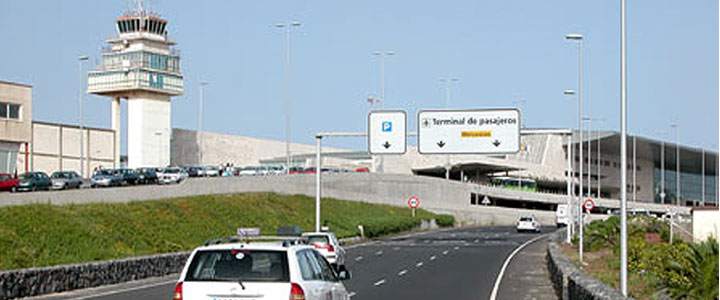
[[705, 223]]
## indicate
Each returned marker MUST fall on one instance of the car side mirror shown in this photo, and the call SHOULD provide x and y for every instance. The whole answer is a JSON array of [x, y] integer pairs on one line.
[[344, 275]]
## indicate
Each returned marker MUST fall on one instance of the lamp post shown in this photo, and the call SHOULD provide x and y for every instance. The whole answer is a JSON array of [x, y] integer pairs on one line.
[[623, 152], [447, 82], [382, 55], [580, 175], [287, 28], [81, 59], [677, 163], [703, 177], [200, 120], [662, 172]]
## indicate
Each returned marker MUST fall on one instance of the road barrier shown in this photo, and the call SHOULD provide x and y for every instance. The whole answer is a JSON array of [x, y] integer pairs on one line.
[[569, 281], [62, 278]]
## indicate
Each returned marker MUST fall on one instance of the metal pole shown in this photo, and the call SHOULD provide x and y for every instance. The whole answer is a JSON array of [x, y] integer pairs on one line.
[[589, 155], [634, 170], [623, 154], [599, 182], [580, 144], [200, 121], [703, 177], [382, 80], [318, 170], [662, 172], [677, 165], [288, 156], [80, 115], [570, 193]]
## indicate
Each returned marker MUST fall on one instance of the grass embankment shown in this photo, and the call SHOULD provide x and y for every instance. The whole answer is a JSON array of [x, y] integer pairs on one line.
[[43, 235], [681, 270]]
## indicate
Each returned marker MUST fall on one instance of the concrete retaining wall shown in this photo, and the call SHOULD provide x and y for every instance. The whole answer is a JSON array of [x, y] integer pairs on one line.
[[571, 283], [39, 281], [435, 194]]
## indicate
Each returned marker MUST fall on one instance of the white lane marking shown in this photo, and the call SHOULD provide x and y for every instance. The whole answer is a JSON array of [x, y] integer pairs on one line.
[[124, 290], [419, 264], [379, 283], [359, 258], [456, 248], [403, 272], [351, 294], [477, 240], [378, 253], [493, 295], [432, 257], [445, 252], [396, 248]]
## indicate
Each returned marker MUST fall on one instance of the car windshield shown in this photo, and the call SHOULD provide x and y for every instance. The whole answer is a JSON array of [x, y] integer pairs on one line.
[[317, 239], [243, 265], [104, 172], [60, 175], [26, 176], [171, 171]]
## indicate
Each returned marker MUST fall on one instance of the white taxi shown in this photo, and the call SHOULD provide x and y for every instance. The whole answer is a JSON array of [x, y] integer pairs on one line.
[[259, 270]]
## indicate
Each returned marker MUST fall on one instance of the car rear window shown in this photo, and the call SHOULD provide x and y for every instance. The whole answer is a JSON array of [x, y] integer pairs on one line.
[[243, 265], [317, 239], [526, 219]]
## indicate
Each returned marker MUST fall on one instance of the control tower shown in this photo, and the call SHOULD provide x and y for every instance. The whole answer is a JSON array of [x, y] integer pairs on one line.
[[140, 66]]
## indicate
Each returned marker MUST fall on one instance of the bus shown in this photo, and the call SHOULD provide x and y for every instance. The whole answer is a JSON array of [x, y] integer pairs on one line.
[[513, 183]]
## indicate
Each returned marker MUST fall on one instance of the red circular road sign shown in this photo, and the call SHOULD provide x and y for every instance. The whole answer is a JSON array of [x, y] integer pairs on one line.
[[413, 202], [588, 204]]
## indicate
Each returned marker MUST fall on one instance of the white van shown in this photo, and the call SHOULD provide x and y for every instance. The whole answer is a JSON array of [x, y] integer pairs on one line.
[[562, 215]]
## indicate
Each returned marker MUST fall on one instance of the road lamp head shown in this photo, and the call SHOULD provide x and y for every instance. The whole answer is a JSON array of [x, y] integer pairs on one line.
[[574, 37], [295, 23], [84, 57], [569, 92], [203, 82]]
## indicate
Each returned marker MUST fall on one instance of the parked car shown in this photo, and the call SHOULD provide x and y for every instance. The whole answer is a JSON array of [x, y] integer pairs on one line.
[[194, 171], [297, 170], [33, 181], [128, 176], [274, 270], [328, 245], [105, 178], [249, 171], [528, 223], [211, 171], [62, 180], [172, 175], [362, 170], [147, 175], [8, 182]]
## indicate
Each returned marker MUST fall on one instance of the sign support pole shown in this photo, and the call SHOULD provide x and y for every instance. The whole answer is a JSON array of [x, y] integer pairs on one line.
[[318, 180]]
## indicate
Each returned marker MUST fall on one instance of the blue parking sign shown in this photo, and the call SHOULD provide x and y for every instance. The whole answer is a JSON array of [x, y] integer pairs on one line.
[[386, 126]]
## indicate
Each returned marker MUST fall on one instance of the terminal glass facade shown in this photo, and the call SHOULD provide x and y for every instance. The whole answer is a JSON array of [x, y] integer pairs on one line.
[[690, 188]]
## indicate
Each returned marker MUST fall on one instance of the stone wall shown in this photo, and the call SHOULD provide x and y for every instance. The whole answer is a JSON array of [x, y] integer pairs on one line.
[[39, 281], [571, 283]]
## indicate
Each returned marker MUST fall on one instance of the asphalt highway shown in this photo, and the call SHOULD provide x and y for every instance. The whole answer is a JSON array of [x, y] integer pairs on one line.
[[458, 264]]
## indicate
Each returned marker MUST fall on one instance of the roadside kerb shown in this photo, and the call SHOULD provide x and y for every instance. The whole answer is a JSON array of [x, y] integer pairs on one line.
[[570, 282]]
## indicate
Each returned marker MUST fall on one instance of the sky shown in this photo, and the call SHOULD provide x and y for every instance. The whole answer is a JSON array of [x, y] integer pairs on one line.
[[504, 54]]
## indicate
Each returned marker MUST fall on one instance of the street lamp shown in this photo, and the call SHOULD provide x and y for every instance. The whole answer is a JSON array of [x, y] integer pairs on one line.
[[382, 55], [287, 28], [623, 151], [200, 120], [81, 59], [677, 162]]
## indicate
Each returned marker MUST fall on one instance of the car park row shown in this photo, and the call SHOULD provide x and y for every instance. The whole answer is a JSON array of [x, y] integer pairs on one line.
[[63, 180]]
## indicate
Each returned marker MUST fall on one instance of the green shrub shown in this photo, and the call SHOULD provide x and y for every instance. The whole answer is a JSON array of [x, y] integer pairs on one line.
[[694, 275], [387, 225], [445, 220]]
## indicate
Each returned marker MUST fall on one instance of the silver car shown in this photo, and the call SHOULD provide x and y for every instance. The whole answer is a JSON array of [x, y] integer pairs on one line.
[[62, 180]]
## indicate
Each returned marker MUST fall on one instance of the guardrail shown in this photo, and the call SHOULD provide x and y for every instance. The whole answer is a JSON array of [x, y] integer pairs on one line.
[[569, 281]]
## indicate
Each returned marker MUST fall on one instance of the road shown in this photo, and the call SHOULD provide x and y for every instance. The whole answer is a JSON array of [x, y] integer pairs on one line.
[[459, 264]]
